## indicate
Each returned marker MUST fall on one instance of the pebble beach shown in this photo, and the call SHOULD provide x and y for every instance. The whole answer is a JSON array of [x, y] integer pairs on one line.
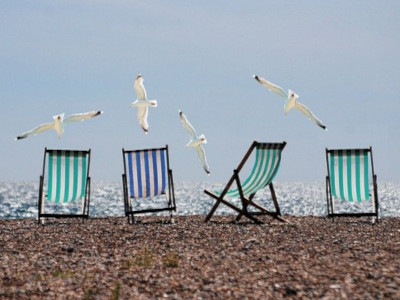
[[306, 257]]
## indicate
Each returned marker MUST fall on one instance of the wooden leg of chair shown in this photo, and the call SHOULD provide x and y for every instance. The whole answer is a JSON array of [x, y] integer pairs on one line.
[[240, 211], [39, 209], [214, 208], [220, 200], [212, 211], [273, 195], [245, 204], [239, 216]]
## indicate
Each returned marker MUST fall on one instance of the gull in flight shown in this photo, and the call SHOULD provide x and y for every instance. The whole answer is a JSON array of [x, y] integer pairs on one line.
[[291, 100], [58, 123], [195, 141], [142, 103]]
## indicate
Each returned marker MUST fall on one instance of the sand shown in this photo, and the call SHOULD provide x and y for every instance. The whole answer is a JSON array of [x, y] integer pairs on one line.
[[310, 257]]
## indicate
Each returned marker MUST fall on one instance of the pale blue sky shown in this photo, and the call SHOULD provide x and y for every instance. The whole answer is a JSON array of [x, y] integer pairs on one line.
[[341, 57]]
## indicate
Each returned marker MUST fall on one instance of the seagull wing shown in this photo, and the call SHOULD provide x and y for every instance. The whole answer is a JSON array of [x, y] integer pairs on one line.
[[82, 116], [202, 158], [142, 117], [272, 87], [36, 130], [186, 124], [139, 88], [304, 109]]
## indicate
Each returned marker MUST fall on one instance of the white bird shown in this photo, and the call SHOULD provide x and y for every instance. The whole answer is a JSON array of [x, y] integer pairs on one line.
[[291, 100], [58, 123], [142, 103], [195, 141]]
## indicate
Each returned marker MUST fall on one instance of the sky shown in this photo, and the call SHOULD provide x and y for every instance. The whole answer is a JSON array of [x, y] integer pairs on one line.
[[341, 57]]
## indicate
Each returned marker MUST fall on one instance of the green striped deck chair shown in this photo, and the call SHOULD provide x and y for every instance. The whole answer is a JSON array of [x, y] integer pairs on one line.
[[349, 175], [147, 177], [68, 182], [266, 166]]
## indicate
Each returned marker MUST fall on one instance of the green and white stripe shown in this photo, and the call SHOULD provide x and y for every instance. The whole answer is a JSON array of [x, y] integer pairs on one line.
[[265, 168], [67, 175], [349, 174]]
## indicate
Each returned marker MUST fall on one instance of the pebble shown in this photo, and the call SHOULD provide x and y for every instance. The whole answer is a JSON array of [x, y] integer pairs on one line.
[[106, 258]]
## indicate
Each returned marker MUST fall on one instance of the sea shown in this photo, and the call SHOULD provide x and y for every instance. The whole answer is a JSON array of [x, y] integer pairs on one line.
[[19, 200]]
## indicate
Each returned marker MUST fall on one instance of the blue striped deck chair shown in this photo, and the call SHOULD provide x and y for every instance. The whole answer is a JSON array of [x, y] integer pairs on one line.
[[266, 166], [348, 181], [68, 182], [147, 177]]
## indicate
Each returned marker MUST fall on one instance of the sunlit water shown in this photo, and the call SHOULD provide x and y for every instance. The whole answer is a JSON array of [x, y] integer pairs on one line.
[[19, 199]]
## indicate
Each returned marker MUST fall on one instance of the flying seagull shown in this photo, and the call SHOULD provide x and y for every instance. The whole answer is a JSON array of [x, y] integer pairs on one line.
[[58, 123], [291, 100], [195, 141], [142, 103]]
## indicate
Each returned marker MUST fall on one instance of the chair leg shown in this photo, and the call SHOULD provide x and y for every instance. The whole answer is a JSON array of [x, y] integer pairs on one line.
[[242, 212], [39, 210], [273, 195], [212, 211], [245, 204], [220, 200]]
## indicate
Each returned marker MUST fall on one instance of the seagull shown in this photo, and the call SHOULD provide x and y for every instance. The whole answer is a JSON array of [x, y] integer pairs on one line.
[[291, 100], [142, 103], [58, 123], [195, 141]]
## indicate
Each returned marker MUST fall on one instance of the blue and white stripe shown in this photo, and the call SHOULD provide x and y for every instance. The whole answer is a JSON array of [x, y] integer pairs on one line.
[[147, 173]]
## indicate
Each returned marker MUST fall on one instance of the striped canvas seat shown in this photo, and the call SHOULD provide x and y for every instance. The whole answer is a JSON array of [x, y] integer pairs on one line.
[[67, 175], [349, 174], [266, 165], [147, 175], [67, 181]]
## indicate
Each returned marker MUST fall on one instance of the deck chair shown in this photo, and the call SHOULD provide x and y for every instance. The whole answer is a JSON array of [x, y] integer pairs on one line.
[[266, 165], [147, 175], [68, 184], [348, 180]]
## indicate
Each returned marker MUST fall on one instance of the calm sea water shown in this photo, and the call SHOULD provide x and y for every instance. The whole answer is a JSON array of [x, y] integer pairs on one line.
[[19, 199]]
